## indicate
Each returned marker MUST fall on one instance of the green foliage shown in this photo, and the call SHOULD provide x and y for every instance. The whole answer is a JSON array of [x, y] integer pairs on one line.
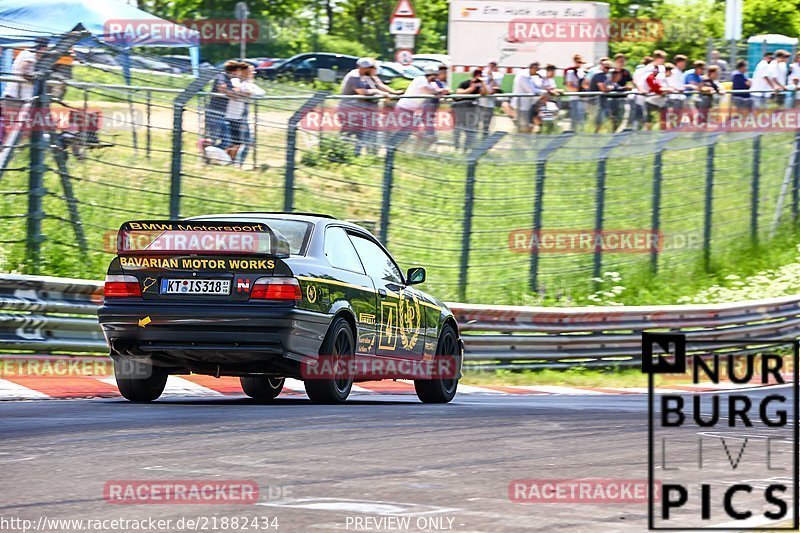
[[361, 27]]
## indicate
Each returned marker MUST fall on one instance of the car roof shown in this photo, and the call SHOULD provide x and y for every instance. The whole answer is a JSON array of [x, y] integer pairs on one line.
[[313, 218]]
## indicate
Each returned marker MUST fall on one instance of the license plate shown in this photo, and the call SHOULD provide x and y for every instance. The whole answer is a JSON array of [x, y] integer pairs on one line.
[[196, 286]]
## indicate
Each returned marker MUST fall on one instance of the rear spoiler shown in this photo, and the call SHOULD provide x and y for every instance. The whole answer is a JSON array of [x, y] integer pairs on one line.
[[199, 237]]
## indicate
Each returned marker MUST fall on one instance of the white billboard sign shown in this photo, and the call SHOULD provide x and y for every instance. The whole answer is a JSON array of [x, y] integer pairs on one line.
[[480, 30]]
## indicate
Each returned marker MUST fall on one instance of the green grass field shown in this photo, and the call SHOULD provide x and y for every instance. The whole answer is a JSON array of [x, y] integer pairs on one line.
[[428, 204]]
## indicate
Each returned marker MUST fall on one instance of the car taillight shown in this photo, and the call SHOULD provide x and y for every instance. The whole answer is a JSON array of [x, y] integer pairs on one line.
[[286, 289], [121, 287]]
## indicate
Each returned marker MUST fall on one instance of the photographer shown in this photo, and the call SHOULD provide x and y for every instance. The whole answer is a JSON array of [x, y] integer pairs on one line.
[[465, 110]]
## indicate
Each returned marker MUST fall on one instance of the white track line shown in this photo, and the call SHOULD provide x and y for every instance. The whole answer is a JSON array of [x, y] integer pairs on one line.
[[177, 386], [470, 389], [556, 389], [12, 391]]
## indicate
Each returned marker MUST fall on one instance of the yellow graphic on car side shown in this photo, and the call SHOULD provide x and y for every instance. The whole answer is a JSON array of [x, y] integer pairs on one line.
[[311, 293], [388, 326]]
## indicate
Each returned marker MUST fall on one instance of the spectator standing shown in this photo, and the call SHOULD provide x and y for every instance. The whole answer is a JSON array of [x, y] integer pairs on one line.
[[716, 60], [794, 78], [412, 107], [657, 90], [760, 85], [357, 114], [616, 104], [708, 90], [674, 81], [777, 74], [24, 66], [694, 78], [741, 101], [573, 82], [523, 105], [245, 87], [465, 110], [625, 76], [638, 112], [217, 132], [600, 82], [493, 80]]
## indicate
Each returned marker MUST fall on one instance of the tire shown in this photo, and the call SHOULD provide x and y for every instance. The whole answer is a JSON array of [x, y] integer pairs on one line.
[[340, 346], [139, 382], [441, 390], [262, 387]]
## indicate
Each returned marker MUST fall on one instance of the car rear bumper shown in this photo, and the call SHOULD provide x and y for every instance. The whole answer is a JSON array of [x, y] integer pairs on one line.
[[201, 337]]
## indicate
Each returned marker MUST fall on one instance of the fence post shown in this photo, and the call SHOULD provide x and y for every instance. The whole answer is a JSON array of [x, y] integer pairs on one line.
[[40, 111], [796, 177], [538, 201], [755, 188], [177, 139], [469, 199], [149, 125], [658, 167], [291, 147], [709, 200], [393, 142], [600, 197]]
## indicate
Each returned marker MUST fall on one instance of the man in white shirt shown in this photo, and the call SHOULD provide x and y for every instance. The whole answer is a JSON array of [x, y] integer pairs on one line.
[[522, 105], [422, 87], [777, 72], [675, 99], [24, 66], [760, 84]]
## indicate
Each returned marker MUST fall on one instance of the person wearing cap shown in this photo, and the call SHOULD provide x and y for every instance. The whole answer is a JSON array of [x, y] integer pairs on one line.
[[24, 66], [411, 108], [573, 82], [357, 114]]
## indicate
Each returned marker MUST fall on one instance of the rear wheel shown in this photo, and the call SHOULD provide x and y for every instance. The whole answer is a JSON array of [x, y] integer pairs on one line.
[[262, 387], [339, 349], [447, 354], [139, 382]]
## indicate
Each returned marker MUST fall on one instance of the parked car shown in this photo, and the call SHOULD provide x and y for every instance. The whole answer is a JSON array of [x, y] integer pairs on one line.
[[390, 71], [184, 63], [304, 67], [88, 56], [151, 63], [420, 60]]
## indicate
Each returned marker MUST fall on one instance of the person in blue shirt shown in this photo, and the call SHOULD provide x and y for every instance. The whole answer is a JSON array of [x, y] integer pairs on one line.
[[694, 78], [741, 82]]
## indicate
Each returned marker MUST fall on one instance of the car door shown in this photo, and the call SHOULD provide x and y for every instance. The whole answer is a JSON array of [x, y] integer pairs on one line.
[[399, 311], [353, 285]]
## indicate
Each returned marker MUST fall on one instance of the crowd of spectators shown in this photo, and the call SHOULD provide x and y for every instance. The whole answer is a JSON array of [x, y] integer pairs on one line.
[[616, 96]]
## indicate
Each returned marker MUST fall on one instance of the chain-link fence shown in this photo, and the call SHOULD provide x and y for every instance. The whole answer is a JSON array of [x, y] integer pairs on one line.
[[492, 213]]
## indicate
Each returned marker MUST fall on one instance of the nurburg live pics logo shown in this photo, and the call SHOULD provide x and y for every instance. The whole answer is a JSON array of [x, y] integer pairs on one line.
[[725, 460]]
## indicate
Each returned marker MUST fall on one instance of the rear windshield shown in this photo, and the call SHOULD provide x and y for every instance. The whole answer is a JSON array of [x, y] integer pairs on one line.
[[296, 232]]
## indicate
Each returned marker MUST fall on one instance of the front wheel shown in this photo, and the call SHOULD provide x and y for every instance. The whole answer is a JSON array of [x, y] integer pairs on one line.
[[337, 350], [262, 387], [139, 382], [442, 390]]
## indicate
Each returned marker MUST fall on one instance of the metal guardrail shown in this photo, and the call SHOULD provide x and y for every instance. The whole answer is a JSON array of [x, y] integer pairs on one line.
[[47, 314]]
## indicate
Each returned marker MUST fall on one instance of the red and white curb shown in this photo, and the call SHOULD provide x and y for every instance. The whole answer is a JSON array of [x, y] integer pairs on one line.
[[68, 387]]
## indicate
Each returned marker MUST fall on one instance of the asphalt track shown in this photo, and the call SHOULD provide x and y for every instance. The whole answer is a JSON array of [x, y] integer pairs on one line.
[[325, 467]]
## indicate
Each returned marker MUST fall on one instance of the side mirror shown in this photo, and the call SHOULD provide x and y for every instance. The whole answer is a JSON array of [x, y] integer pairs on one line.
[[415, 276]]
